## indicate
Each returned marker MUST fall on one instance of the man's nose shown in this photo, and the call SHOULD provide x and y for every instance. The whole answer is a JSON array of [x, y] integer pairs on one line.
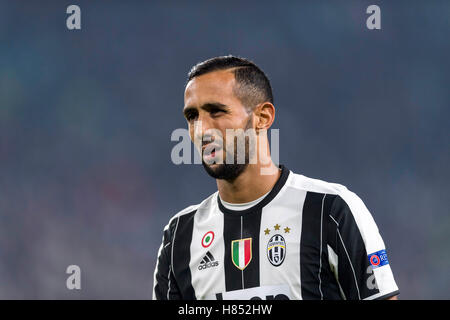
[[202, 127]]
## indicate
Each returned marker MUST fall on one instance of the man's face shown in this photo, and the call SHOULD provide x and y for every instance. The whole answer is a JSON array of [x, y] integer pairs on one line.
[[209, 100]]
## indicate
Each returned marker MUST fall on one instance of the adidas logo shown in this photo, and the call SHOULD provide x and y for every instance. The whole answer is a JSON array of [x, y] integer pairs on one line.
[[208, 261]]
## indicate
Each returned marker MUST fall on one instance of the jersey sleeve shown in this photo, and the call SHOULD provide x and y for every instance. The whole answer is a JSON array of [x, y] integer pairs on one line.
[[356, 251], [164, 284]]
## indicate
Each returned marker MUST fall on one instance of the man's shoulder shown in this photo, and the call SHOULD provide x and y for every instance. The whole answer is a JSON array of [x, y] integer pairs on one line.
[[342, 193], [344, 198], [192, 209], [301, 182]]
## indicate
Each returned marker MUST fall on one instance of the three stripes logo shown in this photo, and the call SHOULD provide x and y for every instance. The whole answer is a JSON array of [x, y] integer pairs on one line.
[[208, 261]]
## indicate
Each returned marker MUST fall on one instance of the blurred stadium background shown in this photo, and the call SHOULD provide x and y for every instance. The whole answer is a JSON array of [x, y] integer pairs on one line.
[[86, 118]]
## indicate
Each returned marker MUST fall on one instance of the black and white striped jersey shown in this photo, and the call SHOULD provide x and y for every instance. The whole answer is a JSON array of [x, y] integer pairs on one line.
[[307, 239]]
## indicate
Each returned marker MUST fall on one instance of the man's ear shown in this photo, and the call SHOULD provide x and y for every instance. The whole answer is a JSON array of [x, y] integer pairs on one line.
[[265, 116]]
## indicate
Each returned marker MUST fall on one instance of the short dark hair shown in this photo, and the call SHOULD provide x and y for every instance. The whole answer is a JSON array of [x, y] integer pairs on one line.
[[253, 86]]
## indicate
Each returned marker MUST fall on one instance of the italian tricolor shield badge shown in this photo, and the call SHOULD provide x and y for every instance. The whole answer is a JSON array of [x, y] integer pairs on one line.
[[241, 252]]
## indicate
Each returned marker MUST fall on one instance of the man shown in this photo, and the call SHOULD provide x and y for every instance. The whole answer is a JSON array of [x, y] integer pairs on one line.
[[267, 233]]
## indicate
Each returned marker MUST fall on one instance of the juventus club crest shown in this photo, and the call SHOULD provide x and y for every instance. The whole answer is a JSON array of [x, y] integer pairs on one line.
[[276, 247], [241, 252], [276, 250]]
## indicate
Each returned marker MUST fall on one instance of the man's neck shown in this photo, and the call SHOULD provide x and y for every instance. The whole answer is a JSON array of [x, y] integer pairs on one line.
[[253, 183]]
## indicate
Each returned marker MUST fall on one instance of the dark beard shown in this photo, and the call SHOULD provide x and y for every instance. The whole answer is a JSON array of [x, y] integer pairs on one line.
[[228, 172]]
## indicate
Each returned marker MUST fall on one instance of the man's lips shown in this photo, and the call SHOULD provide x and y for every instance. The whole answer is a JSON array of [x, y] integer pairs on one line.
[[212, 148]]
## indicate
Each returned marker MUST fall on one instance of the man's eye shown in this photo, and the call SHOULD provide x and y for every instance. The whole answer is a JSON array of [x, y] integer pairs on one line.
[[216, 112]]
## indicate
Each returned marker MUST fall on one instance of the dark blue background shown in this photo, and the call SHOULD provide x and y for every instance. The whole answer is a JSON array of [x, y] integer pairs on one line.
[[86, 117]]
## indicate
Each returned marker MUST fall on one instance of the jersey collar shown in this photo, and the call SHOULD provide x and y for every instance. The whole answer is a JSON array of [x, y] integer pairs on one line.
[[272, 194]]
